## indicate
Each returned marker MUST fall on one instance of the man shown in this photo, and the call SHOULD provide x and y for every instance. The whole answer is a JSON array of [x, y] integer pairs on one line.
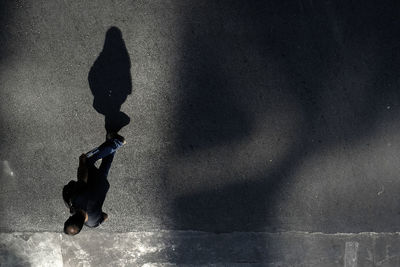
[[86, 196]]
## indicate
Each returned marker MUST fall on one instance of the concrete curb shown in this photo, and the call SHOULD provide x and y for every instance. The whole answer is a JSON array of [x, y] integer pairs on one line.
[[186, 248]]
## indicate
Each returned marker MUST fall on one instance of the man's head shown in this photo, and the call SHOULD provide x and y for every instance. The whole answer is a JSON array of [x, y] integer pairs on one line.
[[74, 224]]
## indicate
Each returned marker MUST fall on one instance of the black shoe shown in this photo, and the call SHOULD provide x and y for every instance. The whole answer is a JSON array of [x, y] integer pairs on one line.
[[114, 135], [115, 121]]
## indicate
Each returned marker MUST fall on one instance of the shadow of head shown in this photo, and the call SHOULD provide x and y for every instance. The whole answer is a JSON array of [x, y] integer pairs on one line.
[[110, 80]]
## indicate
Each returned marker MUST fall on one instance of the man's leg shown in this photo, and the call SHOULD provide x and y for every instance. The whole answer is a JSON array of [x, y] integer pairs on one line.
[[108, 148], [106, 164]]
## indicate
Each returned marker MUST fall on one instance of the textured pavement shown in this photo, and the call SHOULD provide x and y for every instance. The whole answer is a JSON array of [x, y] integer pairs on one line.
[[262, 116], [187, 248]]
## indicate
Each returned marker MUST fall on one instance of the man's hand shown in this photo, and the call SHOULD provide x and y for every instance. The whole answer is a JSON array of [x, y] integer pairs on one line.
[[82, 158]]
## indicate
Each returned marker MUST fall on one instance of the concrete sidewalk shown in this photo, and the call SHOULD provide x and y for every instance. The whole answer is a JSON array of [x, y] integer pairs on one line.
[[187, 248]]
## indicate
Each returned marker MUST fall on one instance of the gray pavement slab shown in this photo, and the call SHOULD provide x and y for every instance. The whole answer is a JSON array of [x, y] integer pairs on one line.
[[186, 248]]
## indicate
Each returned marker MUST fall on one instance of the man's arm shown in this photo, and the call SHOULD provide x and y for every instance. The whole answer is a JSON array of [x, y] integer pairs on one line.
[[91, 223], [83, 169], [104, 217], [67, 194]]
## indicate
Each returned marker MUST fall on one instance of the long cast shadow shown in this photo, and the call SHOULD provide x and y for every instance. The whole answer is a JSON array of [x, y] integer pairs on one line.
[[317, 42], [110, 80]]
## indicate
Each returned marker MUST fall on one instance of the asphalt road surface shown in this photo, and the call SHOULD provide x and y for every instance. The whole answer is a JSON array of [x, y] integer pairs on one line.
[[238, 115]]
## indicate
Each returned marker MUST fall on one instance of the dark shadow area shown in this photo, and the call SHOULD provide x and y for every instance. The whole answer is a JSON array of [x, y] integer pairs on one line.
[[9, 258], [110, 80], [213, 113], [318, 44], [7, 12]]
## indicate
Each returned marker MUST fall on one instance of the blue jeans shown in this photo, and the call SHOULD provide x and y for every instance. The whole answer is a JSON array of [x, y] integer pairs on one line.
[[106, 152]]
